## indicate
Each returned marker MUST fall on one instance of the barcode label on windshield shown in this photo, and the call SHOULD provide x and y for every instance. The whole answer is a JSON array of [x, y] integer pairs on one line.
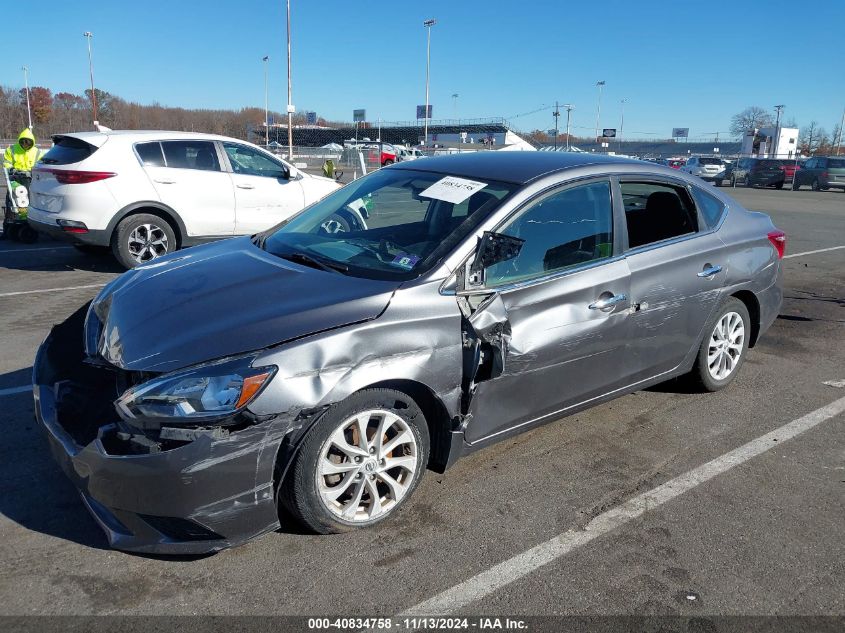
[[453, 189]]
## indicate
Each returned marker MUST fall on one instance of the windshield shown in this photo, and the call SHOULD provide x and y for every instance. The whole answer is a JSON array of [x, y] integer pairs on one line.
[[393, 224]]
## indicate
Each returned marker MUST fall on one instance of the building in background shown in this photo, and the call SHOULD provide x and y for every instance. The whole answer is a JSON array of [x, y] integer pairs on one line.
[[770, 142]]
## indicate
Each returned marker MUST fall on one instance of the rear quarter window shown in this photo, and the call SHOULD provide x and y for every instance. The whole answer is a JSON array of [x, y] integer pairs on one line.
[[711, 208], [68, 150]]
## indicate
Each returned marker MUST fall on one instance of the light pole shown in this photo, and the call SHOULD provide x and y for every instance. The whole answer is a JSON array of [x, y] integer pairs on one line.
[[427, 24], [88, 35], [26, 87], [839, 140], [599, 85], [569, 109], [455, 105], [290, 98], [266, 60], [779, 108], [621, 121], [556, 115]]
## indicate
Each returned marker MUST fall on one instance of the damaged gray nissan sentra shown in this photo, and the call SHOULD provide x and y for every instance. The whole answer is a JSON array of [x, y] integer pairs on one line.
[[419, 313]]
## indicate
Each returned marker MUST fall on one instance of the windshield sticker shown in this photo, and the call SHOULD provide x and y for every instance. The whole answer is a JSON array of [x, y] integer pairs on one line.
[[403, 260], [453, 189]]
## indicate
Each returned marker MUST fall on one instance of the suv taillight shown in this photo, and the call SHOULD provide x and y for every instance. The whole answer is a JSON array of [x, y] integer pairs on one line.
[[77, 177], [823, 174], [778, 240]]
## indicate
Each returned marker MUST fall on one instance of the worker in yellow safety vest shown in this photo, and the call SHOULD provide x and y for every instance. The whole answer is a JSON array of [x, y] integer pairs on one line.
[[23, 155]]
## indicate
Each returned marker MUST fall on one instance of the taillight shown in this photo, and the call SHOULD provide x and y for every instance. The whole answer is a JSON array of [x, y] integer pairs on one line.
[[824, 174], [77, 177], [778, 240]]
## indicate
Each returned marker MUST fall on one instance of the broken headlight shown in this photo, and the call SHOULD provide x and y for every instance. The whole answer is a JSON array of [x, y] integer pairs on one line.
[[208, 391]]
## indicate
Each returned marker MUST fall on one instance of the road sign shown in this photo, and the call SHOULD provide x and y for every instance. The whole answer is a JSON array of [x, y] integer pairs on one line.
[[608, 132], [680, 132], [421, 113], [311, 118], [715, 150], [551, 132], [359, 116]]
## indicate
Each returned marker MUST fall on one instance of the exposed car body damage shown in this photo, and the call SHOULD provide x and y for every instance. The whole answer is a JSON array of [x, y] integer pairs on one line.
[[482, 363]]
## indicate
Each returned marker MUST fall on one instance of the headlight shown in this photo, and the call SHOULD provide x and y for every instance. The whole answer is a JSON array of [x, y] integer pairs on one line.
[[208, 391]]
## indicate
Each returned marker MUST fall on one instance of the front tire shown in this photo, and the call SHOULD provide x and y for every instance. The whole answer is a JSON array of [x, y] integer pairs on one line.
[[362, 460], [141, 238], [724, 347]]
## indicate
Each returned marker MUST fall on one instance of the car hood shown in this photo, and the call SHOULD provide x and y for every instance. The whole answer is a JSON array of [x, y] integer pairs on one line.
[[220, 300]]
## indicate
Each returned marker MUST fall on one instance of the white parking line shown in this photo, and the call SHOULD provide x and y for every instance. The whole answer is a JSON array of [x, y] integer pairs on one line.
[[821, 250], [33, 250], [14, 390], [522, 564], [34, 292]]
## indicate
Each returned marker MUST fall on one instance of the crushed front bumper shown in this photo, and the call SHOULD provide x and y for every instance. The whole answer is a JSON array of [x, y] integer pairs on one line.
[[195, 497]]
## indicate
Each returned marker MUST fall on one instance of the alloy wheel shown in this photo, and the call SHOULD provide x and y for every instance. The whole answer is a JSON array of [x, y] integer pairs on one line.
[[367, 465], [726, 345], [146, 242]]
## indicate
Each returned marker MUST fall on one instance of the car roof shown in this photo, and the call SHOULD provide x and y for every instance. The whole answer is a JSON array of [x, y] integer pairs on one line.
[[97, 138], [513, 167]]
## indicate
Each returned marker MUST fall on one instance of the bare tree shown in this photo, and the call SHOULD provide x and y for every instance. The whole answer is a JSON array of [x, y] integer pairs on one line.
[[750, 118], [812, 138]]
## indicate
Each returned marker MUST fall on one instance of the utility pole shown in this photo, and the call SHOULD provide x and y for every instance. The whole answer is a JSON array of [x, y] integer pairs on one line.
[[26, 86], [89, 35], [290, 98], [427, 24], [266, 60], [556, 115], [779, 108], [839, 139], [599, 85], [569, 109], [455, 105], [621, 121]]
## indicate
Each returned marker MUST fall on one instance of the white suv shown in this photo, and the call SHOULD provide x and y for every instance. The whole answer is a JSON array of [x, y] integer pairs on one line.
[[144, 194], [705, 167]]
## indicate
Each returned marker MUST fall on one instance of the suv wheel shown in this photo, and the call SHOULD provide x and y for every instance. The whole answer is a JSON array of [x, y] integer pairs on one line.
[[141, 238], [360, 462], [815, 185], [795, 185]]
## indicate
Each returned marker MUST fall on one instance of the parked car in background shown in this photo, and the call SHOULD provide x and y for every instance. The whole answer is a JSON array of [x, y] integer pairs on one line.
[[407, 153], [146, 194], [320, 373], [759, 172], [375, 152], [821, 173], [676, 163], [705, 167]]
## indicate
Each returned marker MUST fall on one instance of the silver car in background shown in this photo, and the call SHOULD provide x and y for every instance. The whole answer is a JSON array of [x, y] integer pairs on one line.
[[321, 366], [705, 167]]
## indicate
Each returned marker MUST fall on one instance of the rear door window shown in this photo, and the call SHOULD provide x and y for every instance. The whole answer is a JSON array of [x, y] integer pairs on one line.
[[68, 150], [191, 154], [150, 154], [656, 211]]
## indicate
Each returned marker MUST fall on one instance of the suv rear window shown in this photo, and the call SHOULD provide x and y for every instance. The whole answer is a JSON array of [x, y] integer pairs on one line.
[[710, 161], [68, 150], [836, 163]]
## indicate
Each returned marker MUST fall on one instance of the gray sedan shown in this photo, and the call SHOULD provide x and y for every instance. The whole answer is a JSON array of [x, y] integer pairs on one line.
[[418, 314]]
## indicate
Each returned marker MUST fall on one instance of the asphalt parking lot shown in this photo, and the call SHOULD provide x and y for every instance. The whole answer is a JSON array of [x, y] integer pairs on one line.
[[760, 533]]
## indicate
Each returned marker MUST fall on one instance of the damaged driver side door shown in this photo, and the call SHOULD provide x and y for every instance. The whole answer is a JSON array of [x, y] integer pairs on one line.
[[546, 330]]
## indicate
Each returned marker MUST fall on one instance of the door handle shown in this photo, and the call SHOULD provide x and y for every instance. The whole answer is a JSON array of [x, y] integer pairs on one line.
[[165, 182], [607, 302], [245, 186], [709, 271]]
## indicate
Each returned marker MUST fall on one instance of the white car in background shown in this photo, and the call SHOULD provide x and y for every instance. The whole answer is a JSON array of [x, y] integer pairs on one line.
[[705, 167], [407, 153], [146, 193]]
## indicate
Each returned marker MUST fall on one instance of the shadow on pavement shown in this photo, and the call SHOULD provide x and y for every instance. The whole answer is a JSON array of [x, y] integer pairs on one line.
[[34, 492]]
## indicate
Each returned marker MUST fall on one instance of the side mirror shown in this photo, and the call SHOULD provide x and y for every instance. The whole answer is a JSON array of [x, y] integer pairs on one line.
[[494, 248], [292, 172]]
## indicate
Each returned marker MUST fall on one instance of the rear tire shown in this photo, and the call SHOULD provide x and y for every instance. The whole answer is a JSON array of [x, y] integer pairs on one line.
[[27, 235], [779, 185], [724, 347], [338, 483], [141, 238], [815, 185], [795, 186]]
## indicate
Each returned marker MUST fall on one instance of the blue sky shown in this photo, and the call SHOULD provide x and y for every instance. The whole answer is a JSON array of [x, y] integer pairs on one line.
[[678, 63]]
